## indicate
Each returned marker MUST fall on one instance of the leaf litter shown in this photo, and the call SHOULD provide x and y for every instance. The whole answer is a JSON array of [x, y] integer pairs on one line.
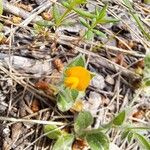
[[33, 54]]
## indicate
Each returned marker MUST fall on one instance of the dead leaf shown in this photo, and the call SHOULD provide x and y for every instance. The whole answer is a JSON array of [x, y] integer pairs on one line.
[[3, 39], [79, 144], [139, 70], [139, 114], [35, 106], [140, 64], [16, 19], [77, 106], [16, 131], [119, 59], [121, 44], [46, 87], [47, 16], [42, 85], [58, 64], [25, 7]]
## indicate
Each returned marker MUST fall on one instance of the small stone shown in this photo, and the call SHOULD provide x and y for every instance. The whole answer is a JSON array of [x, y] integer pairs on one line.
[[93, 103], [109, 80], [98, 82], [94, 99], [6, 131]]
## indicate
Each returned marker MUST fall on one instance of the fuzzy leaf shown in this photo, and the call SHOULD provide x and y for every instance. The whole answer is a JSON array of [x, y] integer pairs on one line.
[[98, 141], [78, 61], [64, 100], [55, 133], [64, 142], [119, 119], [83, 120], [74, 94]]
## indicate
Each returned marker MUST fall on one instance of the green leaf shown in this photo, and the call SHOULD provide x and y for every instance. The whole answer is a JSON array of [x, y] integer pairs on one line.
[[99, 33], [65, 4], [128, 4], [74, 94], [84, 13], [54, 132], [136, 18], [140, 25], [143, 141], [102, 13], [64, 100], [98, 141], [1, 7], [89, 35], [83, 120], [84, 23], [125, 134], [146, 72], [108, 20], [74, 3], [56, 13], [78, 61], [64, 142], [130, 136], [44, 23], [119, 119]]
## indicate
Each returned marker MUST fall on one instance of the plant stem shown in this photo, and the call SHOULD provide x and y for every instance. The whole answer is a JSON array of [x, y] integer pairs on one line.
[[62, 17]]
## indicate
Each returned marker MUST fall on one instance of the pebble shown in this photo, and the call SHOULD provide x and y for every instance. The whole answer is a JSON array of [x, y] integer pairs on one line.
[[93, 103], [98, 81]]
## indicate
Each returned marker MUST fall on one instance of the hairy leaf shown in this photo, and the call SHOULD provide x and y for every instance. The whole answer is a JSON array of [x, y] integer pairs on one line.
[[64, 142], [83, 120], [78, 61], [53, 130], [64, 100], [98, 141]]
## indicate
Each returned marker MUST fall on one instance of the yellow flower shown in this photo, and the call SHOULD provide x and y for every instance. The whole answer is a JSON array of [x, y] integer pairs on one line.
[[77, 78]]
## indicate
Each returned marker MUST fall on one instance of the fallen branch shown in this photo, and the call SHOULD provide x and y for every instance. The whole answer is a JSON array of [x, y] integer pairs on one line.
[[26, 65]]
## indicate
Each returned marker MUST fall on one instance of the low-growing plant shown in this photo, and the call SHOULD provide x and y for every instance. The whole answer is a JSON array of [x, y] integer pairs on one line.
[[87, 19], [75, 80]]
